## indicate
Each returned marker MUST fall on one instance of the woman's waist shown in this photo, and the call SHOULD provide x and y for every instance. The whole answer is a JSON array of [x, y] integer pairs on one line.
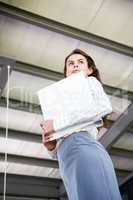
[[85, 134], [90, 127], [75, 139]]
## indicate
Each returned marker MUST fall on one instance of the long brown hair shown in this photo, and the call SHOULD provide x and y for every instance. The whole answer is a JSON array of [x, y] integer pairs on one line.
[[91, 64]]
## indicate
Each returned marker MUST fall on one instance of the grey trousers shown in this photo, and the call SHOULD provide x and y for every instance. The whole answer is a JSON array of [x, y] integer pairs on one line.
[[86, 169]]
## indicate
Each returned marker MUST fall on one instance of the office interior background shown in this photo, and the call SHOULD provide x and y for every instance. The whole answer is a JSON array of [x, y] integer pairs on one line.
[[35, 38]]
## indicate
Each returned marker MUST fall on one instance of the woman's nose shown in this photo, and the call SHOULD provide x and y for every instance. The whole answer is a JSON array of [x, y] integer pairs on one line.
[[76, 66]]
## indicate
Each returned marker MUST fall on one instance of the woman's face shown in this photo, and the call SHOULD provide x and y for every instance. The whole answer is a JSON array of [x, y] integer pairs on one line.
[[76, 63]]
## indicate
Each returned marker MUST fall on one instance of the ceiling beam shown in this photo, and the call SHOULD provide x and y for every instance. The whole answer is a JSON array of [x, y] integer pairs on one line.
[[8, 197], [118, 128], [21, 105], [122, 163], [118, 92], [20, 135], [38, 71], [121, 152], [29, 186], [126, 180], [123, 175], [28, 160], [64, 29], [129, 129]]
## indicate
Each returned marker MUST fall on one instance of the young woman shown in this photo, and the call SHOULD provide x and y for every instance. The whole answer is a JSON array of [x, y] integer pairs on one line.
[[85, 166]]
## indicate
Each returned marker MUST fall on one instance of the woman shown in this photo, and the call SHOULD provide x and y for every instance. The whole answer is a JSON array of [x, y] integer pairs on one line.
[[84, 164]]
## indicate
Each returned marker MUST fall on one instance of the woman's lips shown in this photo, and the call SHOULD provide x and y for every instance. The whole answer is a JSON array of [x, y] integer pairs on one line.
[[75, 71]]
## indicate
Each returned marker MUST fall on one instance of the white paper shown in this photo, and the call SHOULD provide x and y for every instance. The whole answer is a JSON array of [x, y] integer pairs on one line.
[[70, 96]]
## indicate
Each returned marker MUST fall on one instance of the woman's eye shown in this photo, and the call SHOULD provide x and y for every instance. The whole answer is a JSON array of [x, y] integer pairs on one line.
[[81, 61], [70, 63]]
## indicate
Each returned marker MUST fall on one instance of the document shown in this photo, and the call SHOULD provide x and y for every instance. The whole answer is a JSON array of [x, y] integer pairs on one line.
[[69, 96]]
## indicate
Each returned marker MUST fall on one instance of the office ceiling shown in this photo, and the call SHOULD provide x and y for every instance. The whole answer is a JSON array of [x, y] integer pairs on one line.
[[39, 34]]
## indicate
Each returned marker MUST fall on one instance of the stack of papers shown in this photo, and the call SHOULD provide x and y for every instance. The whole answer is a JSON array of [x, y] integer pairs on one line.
[[69, 96]]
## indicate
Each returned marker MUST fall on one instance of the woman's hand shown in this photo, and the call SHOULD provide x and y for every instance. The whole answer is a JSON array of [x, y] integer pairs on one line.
[[47, 126], [48, 130], [50, 145]]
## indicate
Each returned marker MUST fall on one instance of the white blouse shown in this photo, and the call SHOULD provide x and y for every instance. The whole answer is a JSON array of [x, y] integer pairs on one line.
[[90, 120]]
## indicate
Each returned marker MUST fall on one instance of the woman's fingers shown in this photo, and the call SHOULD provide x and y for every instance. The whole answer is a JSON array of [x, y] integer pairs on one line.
[[47, 137]]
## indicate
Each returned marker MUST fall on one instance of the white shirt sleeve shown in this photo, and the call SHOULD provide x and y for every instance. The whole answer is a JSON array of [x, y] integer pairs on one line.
[[100, 107]]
